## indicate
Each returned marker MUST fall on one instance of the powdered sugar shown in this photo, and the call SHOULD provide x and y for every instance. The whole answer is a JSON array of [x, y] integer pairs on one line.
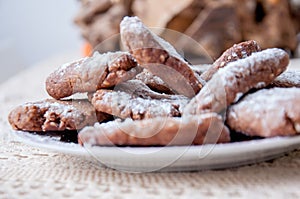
[[76, 64], [132, 23], [59, 109], [249, 64], [234, 54], [230, 82], [238, 96], [267, 112], [124, 105], [290, 77], [64, 108], [135, 26], [273, 96]]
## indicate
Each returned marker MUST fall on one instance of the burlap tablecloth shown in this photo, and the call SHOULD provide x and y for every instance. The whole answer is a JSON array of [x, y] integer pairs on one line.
[[27, 172]]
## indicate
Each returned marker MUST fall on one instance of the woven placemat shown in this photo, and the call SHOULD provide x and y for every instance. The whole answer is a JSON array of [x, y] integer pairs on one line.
[[27, 172]]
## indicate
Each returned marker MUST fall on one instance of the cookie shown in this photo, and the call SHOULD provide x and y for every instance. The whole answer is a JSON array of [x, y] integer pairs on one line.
[[91, 73], [160, 131], [237, 51], [54, 115], [125, 105], [200, 68], [159, 57], [154, 82], [138, 88], [237, 78], [267, 113], [158, 85], [287, 79]]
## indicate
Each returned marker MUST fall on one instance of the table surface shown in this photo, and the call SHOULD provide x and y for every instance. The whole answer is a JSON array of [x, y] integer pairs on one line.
[[27, 172]]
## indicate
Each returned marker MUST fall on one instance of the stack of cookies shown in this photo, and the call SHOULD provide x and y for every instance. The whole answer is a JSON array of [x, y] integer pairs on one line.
[[152, 96]]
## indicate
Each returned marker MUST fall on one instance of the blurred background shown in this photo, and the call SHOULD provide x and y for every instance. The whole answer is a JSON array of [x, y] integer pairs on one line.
[[36, 30]]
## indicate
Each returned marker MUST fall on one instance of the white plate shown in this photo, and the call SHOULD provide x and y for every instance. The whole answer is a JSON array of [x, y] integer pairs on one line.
[[178, 158]]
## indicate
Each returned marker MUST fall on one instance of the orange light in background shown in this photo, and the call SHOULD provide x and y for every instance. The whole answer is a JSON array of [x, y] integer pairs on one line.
[[87, 49], [274, 2]]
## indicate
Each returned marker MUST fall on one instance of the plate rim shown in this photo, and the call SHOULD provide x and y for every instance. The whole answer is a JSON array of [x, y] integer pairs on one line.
[[65, 147]]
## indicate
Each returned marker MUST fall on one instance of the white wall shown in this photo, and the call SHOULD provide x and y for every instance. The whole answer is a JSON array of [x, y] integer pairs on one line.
[[33, 30]]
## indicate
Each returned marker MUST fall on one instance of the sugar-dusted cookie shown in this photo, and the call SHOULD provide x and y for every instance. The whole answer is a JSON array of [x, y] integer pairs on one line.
[[54, 115], [126, 105], [159, 57], [287, 79], [137, 88], [237, 78], [237, 51], [91, 73], [154, 82], [267, 113], [202, 129]]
